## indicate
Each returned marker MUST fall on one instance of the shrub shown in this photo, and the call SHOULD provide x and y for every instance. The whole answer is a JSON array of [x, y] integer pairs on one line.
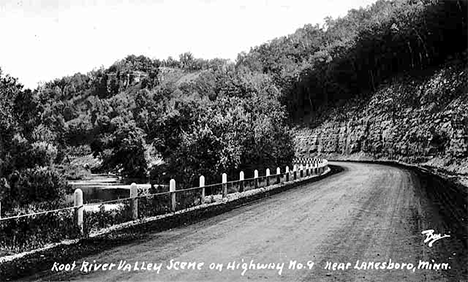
[[39, 184], [27, 233], [42, 153]]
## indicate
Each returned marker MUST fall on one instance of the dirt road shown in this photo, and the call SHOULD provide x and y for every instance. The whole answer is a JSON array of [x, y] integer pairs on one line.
[[367, 213]]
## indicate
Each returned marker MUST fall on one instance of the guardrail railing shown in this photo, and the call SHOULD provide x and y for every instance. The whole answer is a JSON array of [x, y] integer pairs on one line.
[[29, 231]]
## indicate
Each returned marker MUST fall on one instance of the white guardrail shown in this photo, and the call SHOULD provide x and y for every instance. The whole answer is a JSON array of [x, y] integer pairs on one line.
[[142, 205]]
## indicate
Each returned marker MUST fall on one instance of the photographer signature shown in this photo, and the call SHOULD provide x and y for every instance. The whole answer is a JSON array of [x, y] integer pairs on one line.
[[431, 237]]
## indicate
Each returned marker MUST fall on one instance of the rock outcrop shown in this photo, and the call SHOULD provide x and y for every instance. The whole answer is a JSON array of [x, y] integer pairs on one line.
[[415, 120]]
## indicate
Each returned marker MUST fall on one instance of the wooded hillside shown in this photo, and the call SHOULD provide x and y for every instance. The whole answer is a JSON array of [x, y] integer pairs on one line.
[[181, 118], [350, 56]]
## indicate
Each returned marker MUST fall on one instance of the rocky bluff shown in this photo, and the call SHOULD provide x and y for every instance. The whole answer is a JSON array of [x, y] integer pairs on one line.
[[416, 119]]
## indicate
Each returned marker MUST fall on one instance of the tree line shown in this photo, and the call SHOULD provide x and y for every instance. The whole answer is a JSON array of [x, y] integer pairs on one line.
[[224, 119], [228, 116], [348, 57]]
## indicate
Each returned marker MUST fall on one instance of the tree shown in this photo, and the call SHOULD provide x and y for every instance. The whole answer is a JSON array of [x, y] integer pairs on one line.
[[26, 163], [123, 149], [187, 60]]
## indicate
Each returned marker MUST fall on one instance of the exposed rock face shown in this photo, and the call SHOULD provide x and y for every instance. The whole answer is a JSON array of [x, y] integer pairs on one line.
[[423, 121]]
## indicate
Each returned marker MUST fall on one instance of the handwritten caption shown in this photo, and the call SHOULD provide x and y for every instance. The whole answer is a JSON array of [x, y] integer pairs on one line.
[[243, 266]]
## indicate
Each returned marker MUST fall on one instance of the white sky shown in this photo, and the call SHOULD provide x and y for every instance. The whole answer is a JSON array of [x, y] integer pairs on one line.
[[46, 39]]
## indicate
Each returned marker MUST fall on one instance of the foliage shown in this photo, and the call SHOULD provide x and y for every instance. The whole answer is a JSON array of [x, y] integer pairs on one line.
[[241, 126], [219, 116], [123, 149], [42, 153], [28, 233], [216, 117], [39, 184], [350, 56], [96, 220], [26, 158]]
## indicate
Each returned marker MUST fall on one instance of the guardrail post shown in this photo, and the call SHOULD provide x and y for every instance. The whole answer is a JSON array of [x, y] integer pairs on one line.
[[267, 177], [224, 178], [287, 173], [241, 181], [256, 179], [307, 170], [202, 184], [295, 172], [278, 175], [301, 171], [134, 201], [172, 189], [79, 210]]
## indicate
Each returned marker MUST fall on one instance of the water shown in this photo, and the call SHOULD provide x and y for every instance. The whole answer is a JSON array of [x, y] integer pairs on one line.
[[103, 187]]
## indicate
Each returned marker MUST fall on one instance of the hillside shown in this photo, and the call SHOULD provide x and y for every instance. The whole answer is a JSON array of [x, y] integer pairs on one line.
[[384, 82], [176, 76], [144, 119], [414, 118]]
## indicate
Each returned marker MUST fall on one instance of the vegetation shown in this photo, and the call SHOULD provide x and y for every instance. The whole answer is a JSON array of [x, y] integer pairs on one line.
[[27, 150], [223, 120], [219, 116], [348, 57]]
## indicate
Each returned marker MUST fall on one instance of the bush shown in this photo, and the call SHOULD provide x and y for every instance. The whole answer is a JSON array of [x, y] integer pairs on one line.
[[28, 233], [39, 184], [96, 220], [76, 172], [42, 153]]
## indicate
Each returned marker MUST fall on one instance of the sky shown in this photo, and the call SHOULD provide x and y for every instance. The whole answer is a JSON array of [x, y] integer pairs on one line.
[[46, 39]]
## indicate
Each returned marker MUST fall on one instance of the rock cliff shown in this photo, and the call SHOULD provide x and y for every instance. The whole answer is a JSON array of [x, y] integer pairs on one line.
[[415, 119]]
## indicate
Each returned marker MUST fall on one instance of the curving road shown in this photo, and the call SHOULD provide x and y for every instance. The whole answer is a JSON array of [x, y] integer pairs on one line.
[[366, 213]]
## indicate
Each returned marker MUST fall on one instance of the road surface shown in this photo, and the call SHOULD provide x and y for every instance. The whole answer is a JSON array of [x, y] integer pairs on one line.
[[367, 213]]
